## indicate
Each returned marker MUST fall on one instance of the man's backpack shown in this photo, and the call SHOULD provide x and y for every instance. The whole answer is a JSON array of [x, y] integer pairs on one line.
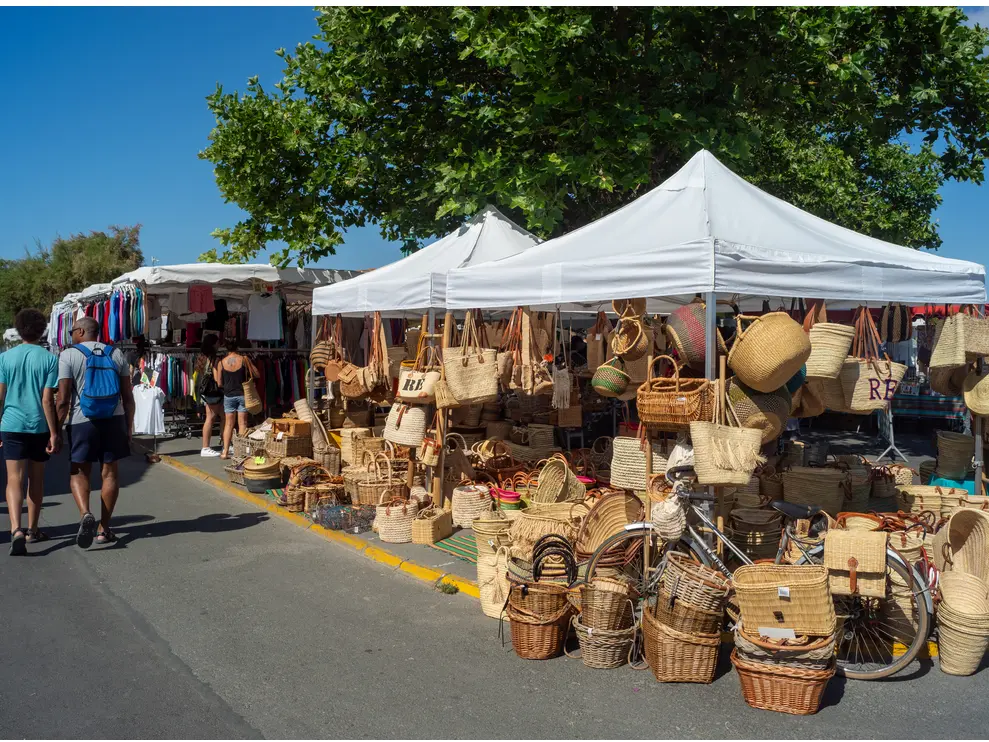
[[100, 393]]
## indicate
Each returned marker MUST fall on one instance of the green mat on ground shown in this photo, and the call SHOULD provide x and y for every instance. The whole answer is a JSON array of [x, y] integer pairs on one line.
[[461, 544]]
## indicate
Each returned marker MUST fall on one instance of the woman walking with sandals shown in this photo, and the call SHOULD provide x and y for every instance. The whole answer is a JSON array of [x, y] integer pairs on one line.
[[230, 374]]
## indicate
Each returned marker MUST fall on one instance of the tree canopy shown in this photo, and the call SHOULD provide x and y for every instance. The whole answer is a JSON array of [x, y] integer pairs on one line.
[[44, 276], [414, 118]]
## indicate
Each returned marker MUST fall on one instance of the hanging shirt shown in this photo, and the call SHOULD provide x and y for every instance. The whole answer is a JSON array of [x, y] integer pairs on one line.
[[264, 318], [201, 298], [149, 413]]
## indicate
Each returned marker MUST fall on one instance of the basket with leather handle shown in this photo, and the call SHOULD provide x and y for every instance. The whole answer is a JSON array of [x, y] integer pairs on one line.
[[856, 562]]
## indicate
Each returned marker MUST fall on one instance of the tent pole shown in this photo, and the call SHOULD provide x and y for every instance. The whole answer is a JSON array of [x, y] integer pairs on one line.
[[711, 372], [977, 430], [442, 421], [411, 471]]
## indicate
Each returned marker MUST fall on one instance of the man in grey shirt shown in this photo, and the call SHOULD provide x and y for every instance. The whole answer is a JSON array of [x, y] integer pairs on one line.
[[103, 441]]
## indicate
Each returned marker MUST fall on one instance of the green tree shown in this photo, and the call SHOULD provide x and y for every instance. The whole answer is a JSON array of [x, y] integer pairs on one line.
[[413, 118], [44, 276]]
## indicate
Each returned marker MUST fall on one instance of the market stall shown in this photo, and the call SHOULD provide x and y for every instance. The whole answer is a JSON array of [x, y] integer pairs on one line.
[[698, 515]]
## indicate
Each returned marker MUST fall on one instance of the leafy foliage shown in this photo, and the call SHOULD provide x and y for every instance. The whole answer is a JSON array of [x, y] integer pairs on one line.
[[414, 118], [41, 278]]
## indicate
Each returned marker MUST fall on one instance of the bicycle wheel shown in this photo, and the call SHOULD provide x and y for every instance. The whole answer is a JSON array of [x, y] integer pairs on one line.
[[631, 544], [879, 637]]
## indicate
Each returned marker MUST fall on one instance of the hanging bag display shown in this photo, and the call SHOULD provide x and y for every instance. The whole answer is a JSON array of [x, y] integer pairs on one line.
[[417, 385], [894, 324], [685, 330], [471, 371], [429, 451], [335, 363], [324, 349], [868, 381], [406, 425], [610, 379], [536, 377], [629, 340], [598, 341], [508, 352]]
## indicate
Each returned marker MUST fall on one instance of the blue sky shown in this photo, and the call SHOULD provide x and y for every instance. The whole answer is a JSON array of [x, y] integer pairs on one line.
[[105, 113]]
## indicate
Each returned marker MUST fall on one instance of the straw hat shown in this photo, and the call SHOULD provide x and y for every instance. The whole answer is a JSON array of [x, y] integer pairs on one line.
[[976, 389]]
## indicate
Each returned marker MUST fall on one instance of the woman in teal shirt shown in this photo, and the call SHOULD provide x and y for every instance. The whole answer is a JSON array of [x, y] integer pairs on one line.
[[28, 426]]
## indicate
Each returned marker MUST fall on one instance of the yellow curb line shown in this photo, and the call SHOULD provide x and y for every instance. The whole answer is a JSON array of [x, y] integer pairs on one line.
[[424, 574], [377, 554]]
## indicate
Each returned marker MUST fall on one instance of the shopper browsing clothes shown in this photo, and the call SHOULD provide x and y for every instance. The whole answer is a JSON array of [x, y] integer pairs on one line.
[[209, 392], [230, 374], [96, 400], [29, 431]]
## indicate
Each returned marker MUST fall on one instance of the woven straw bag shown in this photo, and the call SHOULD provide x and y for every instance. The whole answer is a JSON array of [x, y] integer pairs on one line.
[[629, 340], [431, 525], [394, 517], [379, 481], [406, 425], [628, 462], [725, 454], [963, 544], [856, 562], [470, 501], [417, 385], [672, 404], [954, 454], [894, 324], [492, 581], [685, 330], [347, 438], [252, 401], [471, 372], [963, 623], [868, 381], [767, 353], [598, 341], [825, 488], [829, 346], [557, 483], [763, 411]]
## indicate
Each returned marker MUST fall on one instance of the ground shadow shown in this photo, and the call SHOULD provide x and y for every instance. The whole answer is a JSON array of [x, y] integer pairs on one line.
[[213, 523]]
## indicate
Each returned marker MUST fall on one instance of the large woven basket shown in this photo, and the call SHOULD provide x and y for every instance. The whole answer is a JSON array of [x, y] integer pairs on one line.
[[829, 346], [672, 404], [789, 690], [380, 480], [557, 483], [606, 604], [963, 624], [676, 657], [682, 615], [785, 597], [539, 615], [963, 544], [764, 411], [394, 518], [702, 587], [492, 581], [826, 488], [602, 648], [803, 652], [347, 451], [869, 385], [470, 501], [954, 454], [431, 525], [767, 353]]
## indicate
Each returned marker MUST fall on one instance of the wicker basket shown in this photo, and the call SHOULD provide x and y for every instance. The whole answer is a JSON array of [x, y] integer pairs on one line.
[[825, 488], [963, 544], [470, 501], [786, 597], [804, 652], [288, 445], [492, 581], [628, 462], [557, 483], [789, 690], [606, 604], [767, 353], [676, 657], [235, 472], [700, 586], [379, 481], [539, 615], [431, 525], [829, 346], [394, 518], [681, 615], [603, 649], [672, 404], [244, 447], [954, 454]]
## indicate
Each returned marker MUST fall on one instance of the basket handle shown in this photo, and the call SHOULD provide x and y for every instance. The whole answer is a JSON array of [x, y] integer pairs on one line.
[[676, 369]]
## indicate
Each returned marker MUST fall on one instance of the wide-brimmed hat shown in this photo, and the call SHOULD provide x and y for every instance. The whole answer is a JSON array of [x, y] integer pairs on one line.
[[976, 390]]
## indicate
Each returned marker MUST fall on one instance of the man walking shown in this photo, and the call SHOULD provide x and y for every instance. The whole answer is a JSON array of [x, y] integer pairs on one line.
[[29, 431], [95, 394]]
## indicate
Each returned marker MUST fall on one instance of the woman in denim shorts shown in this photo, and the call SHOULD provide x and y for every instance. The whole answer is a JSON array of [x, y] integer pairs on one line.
[[230, 374]]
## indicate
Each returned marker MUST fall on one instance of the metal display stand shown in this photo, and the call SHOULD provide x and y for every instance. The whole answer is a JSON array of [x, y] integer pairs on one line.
[[886, 431]]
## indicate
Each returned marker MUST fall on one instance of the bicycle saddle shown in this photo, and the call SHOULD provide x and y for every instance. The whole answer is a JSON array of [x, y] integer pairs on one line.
[[795, 512]]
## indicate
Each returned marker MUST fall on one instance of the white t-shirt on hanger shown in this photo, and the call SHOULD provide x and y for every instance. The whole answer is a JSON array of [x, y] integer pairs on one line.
[[264, 318], [149, 413]]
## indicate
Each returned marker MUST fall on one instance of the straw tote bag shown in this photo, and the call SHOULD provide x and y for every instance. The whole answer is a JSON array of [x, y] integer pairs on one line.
[[509, 352], [471, 371], [251, 399], [868, 381], [599, 341], [725, 453], [406, 425], [324, 350], [418, 384]]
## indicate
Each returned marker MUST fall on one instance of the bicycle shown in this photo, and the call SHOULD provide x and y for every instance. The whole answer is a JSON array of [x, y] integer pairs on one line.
[[877, 638]]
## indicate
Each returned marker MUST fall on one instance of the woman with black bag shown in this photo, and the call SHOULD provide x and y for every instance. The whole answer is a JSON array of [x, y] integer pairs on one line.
[[209, 393]]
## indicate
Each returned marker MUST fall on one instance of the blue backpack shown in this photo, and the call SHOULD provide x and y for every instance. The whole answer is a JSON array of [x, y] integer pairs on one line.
[[101, 384]]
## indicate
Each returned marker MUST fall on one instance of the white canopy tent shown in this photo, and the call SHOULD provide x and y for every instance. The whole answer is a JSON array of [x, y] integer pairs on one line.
[[707, 230], [417, 283], [11, 336], [232, 280]]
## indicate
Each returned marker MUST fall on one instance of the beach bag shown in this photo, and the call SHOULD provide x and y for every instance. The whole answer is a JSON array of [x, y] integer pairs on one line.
[[767, 412], [894, 324], [417, 385], [510, 351], [868, 382], [471, 371], [252, 401], [406, 425], [725, 453], [100, 393], [599, 341], [769, 351], [856, 562]]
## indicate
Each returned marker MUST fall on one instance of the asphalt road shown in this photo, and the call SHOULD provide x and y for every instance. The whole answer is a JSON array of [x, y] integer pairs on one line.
[[210, 619]]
